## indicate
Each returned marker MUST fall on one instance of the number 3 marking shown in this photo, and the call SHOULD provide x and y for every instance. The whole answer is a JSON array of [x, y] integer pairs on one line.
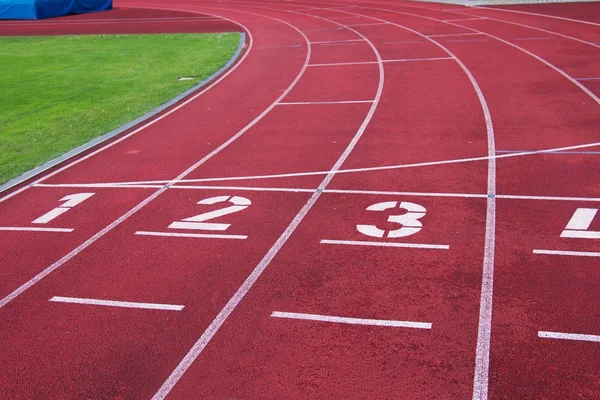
[[409, 221], [199, 221]]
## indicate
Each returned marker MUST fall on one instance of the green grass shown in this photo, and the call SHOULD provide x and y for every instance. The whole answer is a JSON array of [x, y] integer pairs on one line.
[[60, 92]]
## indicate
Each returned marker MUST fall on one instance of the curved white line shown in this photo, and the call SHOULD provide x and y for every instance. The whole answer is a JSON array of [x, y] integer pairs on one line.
[[215, 325], [541, 15]]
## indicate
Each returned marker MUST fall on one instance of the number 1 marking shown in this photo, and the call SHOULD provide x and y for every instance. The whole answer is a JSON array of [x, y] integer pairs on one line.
[[70, 201], [580, 222]]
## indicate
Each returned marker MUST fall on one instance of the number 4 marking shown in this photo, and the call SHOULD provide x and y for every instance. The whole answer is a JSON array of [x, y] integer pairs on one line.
[[70, 201], [579, 224]]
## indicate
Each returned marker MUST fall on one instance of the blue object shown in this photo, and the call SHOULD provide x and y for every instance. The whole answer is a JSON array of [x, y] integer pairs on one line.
[[38, 9]]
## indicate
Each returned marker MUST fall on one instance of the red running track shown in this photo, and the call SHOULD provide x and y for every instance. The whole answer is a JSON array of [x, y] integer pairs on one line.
[[380, 200]]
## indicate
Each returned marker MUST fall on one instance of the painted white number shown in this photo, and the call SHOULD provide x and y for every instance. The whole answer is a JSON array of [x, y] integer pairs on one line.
[[409, 221], [70, 201], [579, 224], [199, 221]]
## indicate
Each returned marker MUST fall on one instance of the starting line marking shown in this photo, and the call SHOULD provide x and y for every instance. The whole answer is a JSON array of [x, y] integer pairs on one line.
[[353, 321], [34, 229], [191, 235], [569, 336], [387, 244], [112, 303], [567, 253], [296, 103]]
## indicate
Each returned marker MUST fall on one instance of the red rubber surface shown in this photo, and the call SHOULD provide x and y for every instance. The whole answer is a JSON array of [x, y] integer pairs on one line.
[[511, 82]]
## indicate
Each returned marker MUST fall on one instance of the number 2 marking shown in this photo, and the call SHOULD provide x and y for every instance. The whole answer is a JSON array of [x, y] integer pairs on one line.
[[198, 222], [409, 221], [579, 223], [70, 201]]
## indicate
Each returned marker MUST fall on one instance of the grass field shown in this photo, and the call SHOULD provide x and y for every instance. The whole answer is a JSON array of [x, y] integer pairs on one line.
[[59, 92]]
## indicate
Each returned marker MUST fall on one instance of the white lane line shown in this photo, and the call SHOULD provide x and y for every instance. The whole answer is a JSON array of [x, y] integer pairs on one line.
[[540, 15], [112, 303], [337, 191], [534, 38], [369, 24], [17, 292], [452, 34], [300, 103], [404, 42], [367, 169], [239, 295], [464, 19], [353, 321], [338, 41], [569, 336], [385, 61], [466, 40], [595, 78], [567, 253], [191, 235], [387, 244], [34, 229]]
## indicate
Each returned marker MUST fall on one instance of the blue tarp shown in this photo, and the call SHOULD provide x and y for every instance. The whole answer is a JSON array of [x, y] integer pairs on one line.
[[38, 9]]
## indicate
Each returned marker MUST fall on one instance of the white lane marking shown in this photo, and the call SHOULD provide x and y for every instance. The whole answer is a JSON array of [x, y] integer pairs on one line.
[[33, 229], [404, 41], [534, 38], [385, 61], [338, 41], [338, 191], [145, 125], [567, 253], [588, 79], [135, 209], [112, 303], [353, 321], [452, 34], [302, 103], [340, 44], [191, 235], [233, 302], [464, 19], [466, 40], [540, 15], [369, 24], [367, 169], [597, 45], [387, 244], [569, 336]]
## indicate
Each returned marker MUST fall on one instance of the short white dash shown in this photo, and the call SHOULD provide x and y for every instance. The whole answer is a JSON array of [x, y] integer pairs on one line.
[[569, 336], [354, 321], [455, 34], [296, 103], [112, 303], [191, 235], [387, 244], [567, 253], [34, 229]]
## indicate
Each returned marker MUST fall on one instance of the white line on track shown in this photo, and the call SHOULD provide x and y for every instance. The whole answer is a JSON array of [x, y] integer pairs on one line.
[[297, 103], [595, 78], [387, 244], [569, 336], [366, 169], [567, 253], [233, 302], [369, 24], [338, 41], [135, 209], [540, 15], [385, 61], [466, 40], [112, 303], [452, 34], [353, 321], [34, 229], [465, 19], [191, 235], [535, 38]]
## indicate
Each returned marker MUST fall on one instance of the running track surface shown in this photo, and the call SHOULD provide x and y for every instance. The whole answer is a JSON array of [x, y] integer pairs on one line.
[[378, 200]]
